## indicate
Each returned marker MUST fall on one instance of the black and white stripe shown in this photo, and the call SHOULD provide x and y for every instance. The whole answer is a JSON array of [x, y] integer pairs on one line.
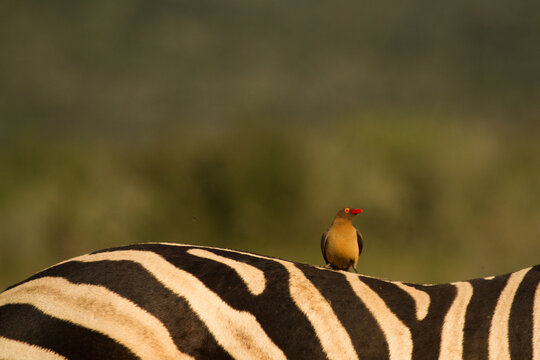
[[171, 301]]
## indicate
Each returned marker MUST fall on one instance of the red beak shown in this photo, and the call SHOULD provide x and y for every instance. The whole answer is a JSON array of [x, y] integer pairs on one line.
[[356, 211]]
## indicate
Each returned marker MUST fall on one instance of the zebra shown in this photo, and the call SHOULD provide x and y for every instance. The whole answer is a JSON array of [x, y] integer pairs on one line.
[[176, 301]]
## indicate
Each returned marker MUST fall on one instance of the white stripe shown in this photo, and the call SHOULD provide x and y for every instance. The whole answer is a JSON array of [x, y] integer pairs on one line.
[[252, 277], [421, 299], [17, 350], [97, 308], [220, 249], [454, 323], [536, 325], [238, 332], [498, 347], [334, 339], [398, 336]]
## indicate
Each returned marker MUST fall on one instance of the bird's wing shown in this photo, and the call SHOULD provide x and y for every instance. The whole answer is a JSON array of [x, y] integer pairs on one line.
[[323, 246], [360, 242]]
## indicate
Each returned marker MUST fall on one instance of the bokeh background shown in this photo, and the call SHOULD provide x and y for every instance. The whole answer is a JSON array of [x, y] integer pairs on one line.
[[248, 124]]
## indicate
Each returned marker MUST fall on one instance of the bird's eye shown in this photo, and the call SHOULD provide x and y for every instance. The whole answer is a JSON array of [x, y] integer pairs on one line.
[[347, 210]]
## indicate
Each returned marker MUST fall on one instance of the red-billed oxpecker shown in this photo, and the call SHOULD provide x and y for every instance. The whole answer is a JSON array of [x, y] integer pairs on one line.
[[341, 244]]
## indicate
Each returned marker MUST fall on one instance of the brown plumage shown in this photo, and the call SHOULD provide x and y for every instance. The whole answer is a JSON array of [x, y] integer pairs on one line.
[[341, 244]]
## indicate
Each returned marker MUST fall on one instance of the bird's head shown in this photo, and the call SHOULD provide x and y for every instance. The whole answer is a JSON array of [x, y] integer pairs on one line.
[[348, 213]]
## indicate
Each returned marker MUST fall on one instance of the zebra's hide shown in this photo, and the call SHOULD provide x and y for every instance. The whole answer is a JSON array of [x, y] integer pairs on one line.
[[171, 301]]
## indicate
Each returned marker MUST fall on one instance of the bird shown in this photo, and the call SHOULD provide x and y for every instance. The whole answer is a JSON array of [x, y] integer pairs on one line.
[[342, 243]]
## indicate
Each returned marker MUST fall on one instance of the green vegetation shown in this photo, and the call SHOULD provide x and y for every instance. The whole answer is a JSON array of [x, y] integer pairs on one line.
[[247, 125]]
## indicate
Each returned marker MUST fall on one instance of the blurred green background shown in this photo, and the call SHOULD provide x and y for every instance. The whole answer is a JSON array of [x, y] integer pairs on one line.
[[248, 124]]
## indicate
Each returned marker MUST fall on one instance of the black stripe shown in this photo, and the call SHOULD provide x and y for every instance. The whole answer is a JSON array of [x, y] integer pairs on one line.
[[399, 301], [281, 318], [521, 320], [351, 312], [479, 314], [426, 334], [25, 323]]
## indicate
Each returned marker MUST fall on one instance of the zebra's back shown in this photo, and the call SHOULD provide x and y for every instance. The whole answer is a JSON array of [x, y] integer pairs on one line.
[[171, 301]]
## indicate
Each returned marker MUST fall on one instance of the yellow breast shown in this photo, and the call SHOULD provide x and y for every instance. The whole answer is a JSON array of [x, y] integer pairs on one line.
[[342, 245]]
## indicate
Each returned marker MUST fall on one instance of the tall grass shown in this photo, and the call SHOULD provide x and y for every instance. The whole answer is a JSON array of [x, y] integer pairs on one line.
[[442, 200]]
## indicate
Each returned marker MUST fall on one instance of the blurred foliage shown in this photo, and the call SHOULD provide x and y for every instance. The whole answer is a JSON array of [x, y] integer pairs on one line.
[[249, 124]]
